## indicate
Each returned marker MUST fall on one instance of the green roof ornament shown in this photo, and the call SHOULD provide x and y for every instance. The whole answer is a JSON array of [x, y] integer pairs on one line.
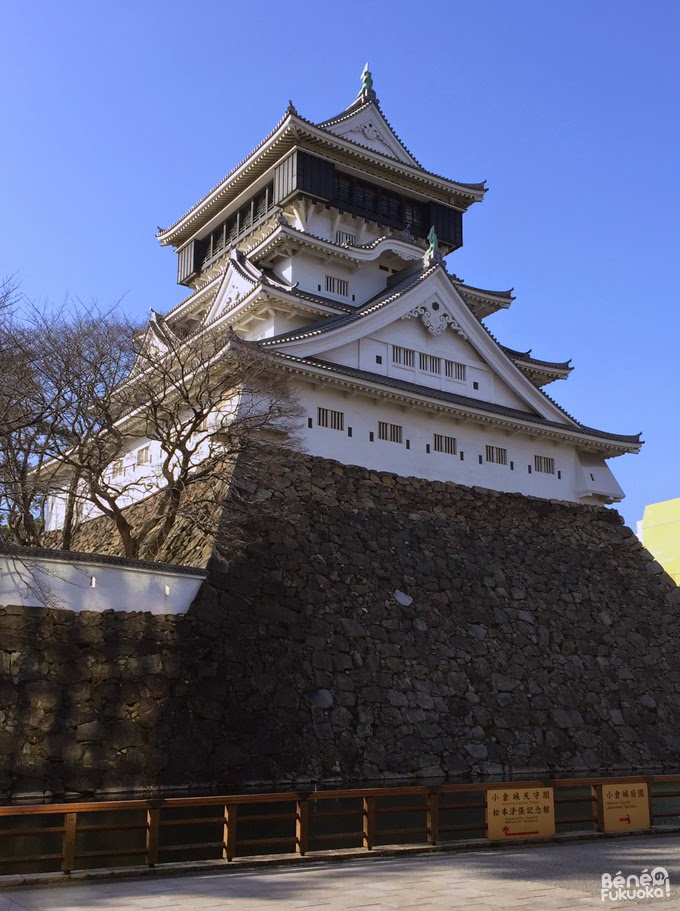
[[433, 253], [367, 83]]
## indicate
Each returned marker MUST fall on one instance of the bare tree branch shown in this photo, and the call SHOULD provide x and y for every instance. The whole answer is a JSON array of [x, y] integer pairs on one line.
[[112, 415]]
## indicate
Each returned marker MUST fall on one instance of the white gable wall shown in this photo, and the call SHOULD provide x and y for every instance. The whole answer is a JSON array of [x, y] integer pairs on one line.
[[369, 128], [412, 335]]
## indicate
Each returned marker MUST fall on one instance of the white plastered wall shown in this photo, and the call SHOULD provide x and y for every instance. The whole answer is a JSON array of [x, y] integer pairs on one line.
[[35, 581], [361, 415], [411, 334]]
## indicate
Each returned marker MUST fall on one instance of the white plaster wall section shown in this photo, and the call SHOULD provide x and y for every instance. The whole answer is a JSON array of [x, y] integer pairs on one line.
[[362, 414], [277, 324], [373, 355], [436, 284], [310, 272], [595, 478], [345, 354], [91, 586]]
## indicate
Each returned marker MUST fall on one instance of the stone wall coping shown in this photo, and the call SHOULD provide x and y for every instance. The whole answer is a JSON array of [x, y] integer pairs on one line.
[[64, 556]]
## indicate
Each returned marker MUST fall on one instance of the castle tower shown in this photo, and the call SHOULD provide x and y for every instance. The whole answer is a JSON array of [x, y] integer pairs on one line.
[[325, 246]]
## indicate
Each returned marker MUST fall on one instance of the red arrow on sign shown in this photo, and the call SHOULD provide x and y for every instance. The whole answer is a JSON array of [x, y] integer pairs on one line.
[[625, 819], [507, 832]]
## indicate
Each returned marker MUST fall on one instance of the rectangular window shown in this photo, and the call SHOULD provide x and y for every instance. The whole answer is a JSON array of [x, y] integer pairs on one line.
[[337, 286], [497, 455], [430, 364], [390, 432], [454, 371], [345, 237], [404, 357], [117, 468], [544, 464], [444, 444], [334, 420], [143, 456]]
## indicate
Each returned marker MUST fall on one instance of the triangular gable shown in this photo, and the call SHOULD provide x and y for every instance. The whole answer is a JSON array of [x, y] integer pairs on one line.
[[157, 339], [240, 279], [437, 305], [365, 124]]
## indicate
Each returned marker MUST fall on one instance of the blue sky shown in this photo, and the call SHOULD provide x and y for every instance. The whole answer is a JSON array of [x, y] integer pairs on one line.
[[118, 117]]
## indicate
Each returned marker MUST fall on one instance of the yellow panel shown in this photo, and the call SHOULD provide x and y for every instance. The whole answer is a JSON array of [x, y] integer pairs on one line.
[[519, 813], [625, 808], [661, 535]]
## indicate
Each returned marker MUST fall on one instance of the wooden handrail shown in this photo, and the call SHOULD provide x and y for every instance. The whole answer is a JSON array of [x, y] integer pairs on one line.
[[439, 816]]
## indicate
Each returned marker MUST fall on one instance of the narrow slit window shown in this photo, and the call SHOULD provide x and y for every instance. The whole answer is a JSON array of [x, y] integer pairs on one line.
[[430, 364], [339, 286], [544, 464], [393, 433], [454, 371], [334, 420], [497, 455], [444, 444], [345, 237], [403, 357]]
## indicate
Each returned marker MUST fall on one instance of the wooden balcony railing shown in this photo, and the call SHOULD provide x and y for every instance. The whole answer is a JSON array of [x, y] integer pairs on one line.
[[70, 836]]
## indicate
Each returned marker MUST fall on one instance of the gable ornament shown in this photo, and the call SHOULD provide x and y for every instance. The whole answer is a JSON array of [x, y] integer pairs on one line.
[[435, 320]]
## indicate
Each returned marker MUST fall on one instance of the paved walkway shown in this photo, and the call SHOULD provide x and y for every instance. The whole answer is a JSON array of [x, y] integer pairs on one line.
[[552, 876]]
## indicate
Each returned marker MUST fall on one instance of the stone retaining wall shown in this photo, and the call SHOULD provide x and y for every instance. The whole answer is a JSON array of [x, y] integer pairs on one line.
[[386, 627]]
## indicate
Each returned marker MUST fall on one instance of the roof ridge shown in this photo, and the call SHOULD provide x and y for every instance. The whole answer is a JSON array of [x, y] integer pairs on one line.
[[359, 105], [375, 303], [228, 175]]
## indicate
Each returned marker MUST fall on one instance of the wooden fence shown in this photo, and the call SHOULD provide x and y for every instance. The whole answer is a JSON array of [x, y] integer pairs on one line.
[[70, 836]]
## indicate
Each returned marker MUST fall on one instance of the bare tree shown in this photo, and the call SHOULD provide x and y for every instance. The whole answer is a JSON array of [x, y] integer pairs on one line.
[[196, 404], [61, 362], [122, 415], [21, 422]]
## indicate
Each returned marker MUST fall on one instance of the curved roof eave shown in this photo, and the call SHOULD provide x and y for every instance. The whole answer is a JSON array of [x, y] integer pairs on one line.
[[628, 443], [177, 232]]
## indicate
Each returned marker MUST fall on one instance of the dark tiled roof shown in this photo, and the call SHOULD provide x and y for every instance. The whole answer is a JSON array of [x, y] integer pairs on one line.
[[505, 295], [226, 177], [320, 299], [377, 302], [474, 187], [65, 556], [526, 356], [481, 186]]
